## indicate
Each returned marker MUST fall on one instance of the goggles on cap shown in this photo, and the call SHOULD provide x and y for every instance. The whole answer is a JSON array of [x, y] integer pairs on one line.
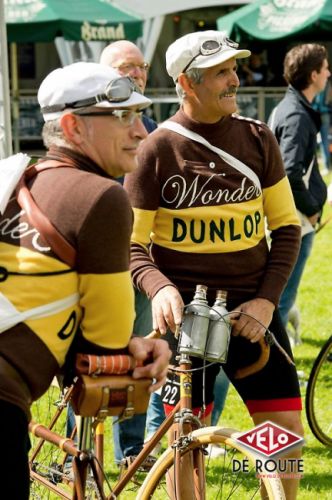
[[210, 47], [118, 90]]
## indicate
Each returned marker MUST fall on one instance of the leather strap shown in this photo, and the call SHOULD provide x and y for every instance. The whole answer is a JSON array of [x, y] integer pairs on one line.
[[60, 246], [228, 158]]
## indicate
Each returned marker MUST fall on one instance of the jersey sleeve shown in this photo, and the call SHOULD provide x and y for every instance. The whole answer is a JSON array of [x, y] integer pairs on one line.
[[105, 286], [143, 188]]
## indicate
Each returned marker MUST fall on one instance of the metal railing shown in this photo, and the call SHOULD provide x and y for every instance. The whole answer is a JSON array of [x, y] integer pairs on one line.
[[253, 102]]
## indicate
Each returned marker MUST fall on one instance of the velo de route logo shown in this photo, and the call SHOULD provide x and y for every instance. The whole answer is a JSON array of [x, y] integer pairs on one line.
[[270, 442]]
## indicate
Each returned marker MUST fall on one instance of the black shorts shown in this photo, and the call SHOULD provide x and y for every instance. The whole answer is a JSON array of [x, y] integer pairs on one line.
[[274, 388], [15, 445]]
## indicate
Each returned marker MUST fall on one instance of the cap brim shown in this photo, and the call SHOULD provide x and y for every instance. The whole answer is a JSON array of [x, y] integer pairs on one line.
[[219, 57]]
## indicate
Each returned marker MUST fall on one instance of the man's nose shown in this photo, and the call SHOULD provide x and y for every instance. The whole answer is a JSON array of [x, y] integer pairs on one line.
[[138, 129], [235, 79]]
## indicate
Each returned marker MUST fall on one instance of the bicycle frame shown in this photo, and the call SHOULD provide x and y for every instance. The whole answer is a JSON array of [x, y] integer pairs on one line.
[[181, 415]]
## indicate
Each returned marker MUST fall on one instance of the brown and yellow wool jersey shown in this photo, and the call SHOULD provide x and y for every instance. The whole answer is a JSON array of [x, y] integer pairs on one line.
[[199, 220], [92, 212]]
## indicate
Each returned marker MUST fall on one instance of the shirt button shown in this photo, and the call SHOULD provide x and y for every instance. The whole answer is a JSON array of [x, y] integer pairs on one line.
[[212, 164]]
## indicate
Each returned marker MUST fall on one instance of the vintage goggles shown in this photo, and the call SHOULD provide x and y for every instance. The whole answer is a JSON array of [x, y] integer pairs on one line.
[[118, 90], [210, 47]]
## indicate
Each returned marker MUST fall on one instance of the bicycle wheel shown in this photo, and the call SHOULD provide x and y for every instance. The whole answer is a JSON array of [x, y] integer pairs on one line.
[[47, 461], [51, 475], [318, 402], [221, 481]]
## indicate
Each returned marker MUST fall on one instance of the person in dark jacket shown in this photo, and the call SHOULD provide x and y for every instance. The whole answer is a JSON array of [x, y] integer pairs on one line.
[[295, 124], [322, 104]]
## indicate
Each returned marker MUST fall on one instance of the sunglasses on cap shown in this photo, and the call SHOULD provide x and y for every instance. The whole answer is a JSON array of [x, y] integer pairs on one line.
[[118, 90], [210, 47]]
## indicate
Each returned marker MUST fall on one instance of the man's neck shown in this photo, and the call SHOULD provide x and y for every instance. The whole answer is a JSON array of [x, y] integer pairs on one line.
[[309, 93], [198, 114]]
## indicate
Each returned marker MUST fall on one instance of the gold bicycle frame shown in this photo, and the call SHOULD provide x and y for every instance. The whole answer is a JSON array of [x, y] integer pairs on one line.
[[182, 416]]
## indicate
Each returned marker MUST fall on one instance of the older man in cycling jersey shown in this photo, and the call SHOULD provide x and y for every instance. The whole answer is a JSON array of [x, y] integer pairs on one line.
[[72, 280], [208, 181]]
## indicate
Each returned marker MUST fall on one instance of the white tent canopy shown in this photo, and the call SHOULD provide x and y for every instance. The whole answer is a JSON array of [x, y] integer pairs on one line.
[[154, 8], [154, 12]]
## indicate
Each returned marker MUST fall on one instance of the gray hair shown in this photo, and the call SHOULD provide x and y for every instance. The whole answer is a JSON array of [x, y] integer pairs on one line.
[[195, 75], [53, 135]]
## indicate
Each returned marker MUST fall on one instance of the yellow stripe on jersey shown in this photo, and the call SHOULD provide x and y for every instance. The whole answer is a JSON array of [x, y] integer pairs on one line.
[[279, 205], [209, 229], [110, 293], [108, 316], [107, 311], [24, 260], [55, 331], [143, 223], [34, 290]]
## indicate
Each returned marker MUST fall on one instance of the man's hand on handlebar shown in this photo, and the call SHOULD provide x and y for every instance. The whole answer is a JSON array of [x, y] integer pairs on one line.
[[154, 355], [247, 326]]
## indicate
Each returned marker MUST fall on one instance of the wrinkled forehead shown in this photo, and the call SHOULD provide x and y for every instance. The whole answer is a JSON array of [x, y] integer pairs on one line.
[[128, 55]]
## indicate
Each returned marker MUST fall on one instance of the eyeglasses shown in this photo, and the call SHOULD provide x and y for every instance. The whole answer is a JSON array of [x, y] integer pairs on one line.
[[118, 90], [127, 68], [126, 116], [210, 47]]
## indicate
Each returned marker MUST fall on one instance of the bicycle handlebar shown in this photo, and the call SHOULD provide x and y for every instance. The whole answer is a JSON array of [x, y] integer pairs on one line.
[[258, 364], [246, 370]]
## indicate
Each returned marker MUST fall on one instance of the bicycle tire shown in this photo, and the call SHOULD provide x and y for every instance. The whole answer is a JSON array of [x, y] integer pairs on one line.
[[248, 486], [318, 402], [48, 463], [49, 478]]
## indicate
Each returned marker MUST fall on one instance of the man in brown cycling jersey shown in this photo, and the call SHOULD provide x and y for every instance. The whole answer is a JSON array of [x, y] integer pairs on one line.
[[92, 131], [200, 218]]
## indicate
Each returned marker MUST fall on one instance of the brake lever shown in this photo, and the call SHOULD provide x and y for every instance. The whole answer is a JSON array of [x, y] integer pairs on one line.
[[271, 340]]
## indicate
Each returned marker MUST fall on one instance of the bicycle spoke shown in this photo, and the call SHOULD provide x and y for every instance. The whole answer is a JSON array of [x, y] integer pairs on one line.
[[221, 482], [230, 483], [318, 405]]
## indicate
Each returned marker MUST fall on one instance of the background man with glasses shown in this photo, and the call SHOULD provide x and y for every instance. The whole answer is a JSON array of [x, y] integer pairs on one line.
[[128, 60], [128, 435], [92, 131], [202, 213]]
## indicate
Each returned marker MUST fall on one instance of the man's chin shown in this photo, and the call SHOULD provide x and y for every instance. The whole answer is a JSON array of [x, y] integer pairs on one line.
[[229, 108], [130, 166]]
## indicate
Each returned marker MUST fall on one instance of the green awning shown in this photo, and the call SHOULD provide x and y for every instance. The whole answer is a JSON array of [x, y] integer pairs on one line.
[[269, 20], [89, 20]]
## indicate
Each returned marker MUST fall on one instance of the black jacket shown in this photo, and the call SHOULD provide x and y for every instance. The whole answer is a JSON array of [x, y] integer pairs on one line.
[[296, 124]]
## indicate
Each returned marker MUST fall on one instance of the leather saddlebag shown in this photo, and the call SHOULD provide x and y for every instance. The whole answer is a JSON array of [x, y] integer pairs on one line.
[[110, 395]]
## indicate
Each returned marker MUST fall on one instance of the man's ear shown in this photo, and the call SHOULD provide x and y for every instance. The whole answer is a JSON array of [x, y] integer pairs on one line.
[[314, 75], [186, 84], [73, 128]]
